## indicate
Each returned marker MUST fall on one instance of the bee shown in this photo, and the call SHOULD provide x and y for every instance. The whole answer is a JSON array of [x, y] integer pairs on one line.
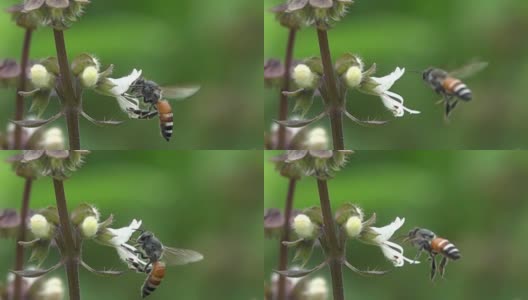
[[427, 240], [152, 95], [152, 257], [449, 85]]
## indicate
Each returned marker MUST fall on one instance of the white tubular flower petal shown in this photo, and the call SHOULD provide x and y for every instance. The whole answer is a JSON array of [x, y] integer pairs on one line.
[[89, 77], [392, 251], [39, 226], [386, 82], [317, 289], [89, 227], [121, 85], [128, 105], [123, 234], [353, 226], [386, 232], [53, 289], [317, 139], [303, 76], [127, 254], [353, 76], [53, 139], [303, 226], [40, 77], [392, 101]]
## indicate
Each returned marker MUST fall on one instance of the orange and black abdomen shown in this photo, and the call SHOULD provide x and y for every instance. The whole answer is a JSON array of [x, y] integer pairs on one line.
[[446, 248], [154, 279], [166, 119], [456, 87]]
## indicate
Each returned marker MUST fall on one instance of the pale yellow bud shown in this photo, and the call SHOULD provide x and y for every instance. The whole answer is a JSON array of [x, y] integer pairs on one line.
[[303, 76], [353, 226], [53, 139], [303, 226], [40, 77], [89, 227], [316, 289], [39, 226], [53, 289], [353, 76], [89, 77], [317, 139]]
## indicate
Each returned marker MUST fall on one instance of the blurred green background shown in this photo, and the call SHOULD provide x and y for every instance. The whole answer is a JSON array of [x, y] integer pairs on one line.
[[416, 34], [202, 200], [477, 199], [174, 42]]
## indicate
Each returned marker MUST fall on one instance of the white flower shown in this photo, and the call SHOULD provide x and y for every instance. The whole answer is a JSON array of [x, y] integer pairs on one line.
[[40, 77], [316, 289], [303, 226], [353, 226], [39, 226], [90, 76], [317, 139], [123, 234], [128, 254], [392, 101], [392, 251], [353, 76], [52, 289], [119, 91], [122, 85], [53, 139], [303, 76], [89, 226]]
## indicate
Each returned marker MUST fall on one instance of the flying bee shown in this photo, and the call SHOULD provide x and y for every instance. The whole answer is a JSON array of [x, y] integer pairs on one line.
[[152, 257], [449, 85], [153, 95], [427, 240]]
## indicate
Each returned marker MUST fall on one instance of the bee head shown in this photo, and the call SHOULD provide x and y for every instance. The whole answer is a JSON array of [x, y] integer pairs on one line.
[[144, 236], [426, 73]]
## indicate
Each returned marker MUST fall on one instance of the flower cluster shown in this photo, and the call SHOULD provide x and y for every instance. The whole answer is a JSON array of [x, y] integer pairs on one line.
[[40, 288], [88, 75], [351, 224], [320, 13], [58, 14], [298, 288], [56, 162], [352, 76], [45, 228], [318, 163]]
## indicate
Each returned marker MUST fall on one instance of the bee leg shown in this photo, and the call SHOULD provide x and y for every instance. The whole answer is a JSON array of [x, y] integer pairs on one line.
[[144, 114], [451, 106], [433, 267], [443, 264]]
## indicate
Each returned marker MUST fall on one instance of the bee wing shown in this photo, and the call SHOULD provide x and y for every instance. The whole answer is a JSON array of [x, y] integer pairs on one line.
[[179, 92], [469, 69], [175, 256]]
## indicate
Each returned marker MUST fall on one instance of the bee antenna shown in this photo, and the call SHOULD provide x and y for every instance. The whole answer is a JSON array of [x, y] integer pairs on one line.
[[403, 238]]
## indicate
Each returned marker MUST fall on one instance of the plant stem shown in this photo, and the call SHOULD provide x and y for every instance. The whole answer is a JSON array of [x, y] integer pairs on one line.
[[334, 103], [335, 251], [19, 110], [283, 104], [19, 260], [283, 249], [71, 249], [71, 101]]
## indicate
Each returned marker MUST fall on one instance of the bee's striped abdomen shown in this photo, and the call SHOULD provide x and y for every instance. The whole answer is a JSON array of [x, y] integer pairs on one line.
[[154, 279], [446, 248], [166, 118], [458, 88]]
